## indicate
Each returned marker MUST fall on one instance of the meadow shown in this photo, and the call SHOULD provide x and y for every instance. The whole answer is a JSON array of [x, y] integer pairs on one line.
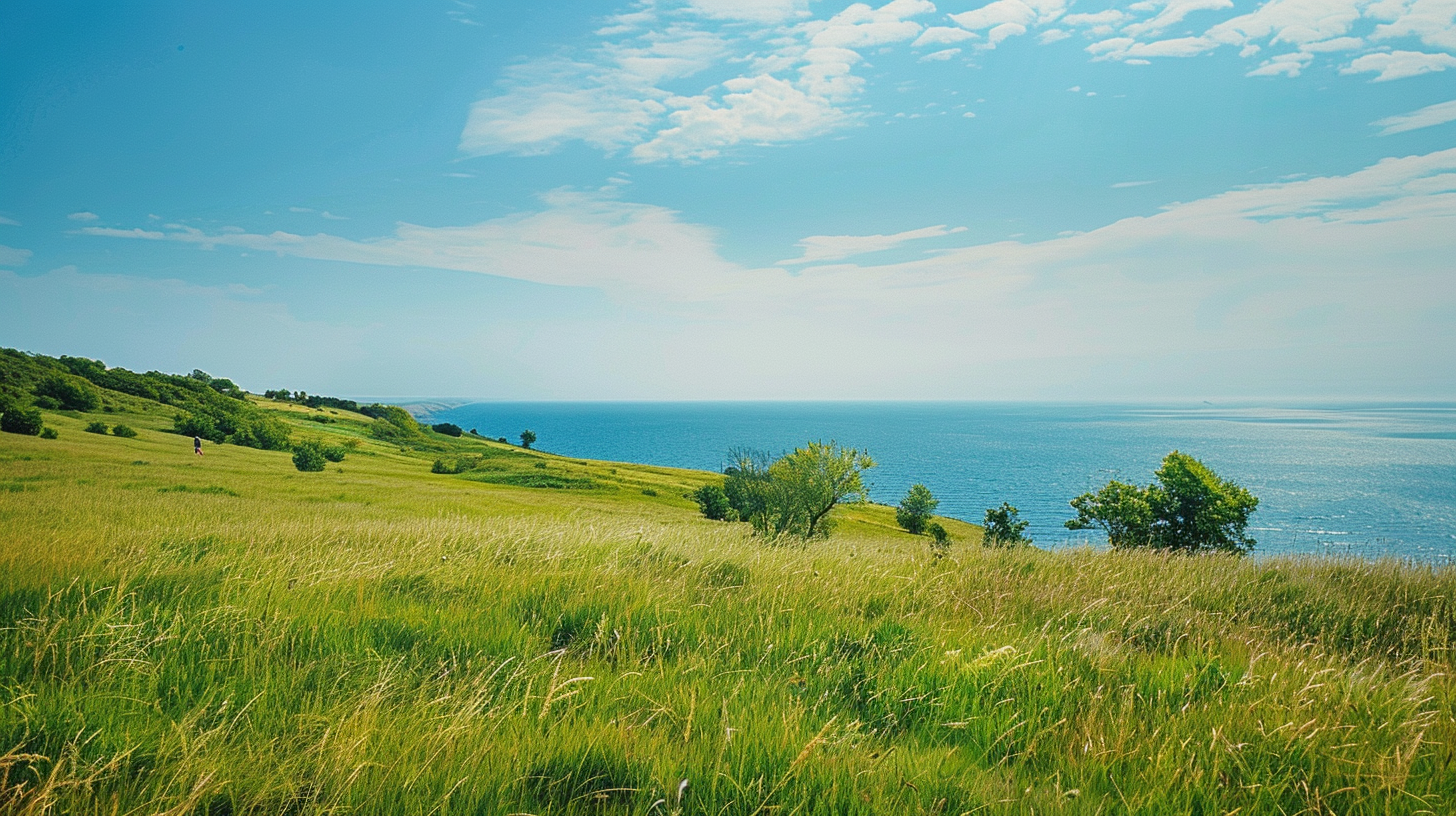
[[225, 635]]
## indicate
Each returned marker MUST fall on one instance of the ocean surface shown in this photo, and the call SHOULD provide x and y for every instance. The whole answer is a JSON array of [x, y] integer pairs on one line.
[[1363, 480]]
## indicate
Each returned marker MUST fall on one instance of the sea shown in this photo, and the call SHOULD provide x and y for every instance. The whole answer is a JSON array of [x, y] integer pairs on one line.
[[1360, 480]]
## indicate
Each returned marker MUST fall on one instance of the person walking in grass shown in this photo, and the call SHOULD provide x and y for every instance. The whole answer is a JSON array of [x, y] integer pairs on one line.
[[197, 445]]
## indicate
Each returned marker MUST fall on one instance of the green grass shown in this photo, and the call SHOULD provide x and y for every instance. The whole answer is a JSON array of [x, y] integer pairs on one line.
[[225, 635]]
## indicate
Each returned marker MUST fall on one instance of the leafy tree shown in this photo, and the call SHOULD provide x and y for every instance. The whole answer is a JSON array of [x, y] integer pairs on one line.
[[1188, 507], [333, 453], [97, 428], [308, 456], [447, 428], [713, 503], [125, 431], [528, 439], [939, 538], [916, 509], [70, 393], [1005, 528], [18, 420], [48, 433], [794, 494]]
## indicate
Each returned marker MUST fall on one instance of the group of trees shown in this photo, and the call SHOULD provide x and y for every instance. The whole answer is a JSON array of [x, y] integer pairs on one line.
[[1186, 508], [790, 496]]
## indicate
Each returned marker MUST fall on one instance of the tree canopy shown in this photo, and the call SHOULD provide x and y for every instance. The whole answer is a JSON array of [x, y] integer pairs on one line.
[[792, 495], [1188, 507]]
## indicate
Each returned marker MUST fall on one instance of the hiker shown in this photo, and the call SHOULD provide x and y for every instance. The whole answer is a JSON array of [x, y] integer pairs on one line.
[[197, 445]]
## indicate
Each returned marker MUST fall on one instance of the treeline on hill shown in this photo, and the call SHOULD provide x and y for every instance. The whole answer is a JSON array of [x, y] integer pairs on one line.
[[214, 408]]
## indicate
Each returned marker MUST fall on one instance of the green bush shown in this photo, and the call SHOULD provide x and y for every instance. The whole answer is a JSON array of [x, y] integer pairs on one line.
[[333, 453], [48, 433], [713, 503], [125, 431], [916, 509], [528, 438], [70, 393], [1187, 507], [308, 456], [1004, 527], [939, 538], [18, 420], [97, 428], [447, 428], [793, 495]]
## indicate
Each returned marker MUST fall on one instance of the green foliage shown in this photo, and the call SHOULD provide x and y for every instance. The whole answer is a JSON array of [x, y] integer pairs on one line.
[[792, 496], [49, 433], [308, 456], [98, 428], [447, 428], [18, 420], [714, 504], [528, 438], [69, 392], [939, 538], [1005, 527], [1187, 508], [125, 431], [394, 424], [333, 453], [916, 509]]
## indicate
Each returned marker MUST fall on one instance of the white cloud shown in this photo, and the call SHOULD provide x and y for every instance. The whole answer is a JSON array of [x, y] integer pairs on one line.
[[8, 222], [758, 11], [1170, 13], [1288, 65], [1274, 287], [936, 56], [10, 256], [1052, 35], [1399, 64], [860, 26], [1329, 46], [943, 35], [1019, 12], [762, 110], [83, 216], [1438, 114], [1433, 22], [820, 248], [1125, 184], [1001, 32]]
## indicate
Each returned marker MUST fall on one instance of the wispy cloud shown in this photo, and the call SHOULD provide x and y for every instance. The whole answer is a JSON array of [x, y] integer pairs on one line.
[[1124, 184], [1429, 116], [1399, 64], [821, 248], [795, 79], [10, 256], [8, 222], [83, 216]]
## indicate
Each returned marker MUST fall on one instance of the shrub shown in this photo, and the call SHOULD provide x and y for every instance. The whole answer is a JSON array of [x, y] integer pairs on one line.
[[1187, 507], [97, 428], [308, 456], [125, 431], [528, 438], [70, 393], [440, 467], [647, 491], [48, 433], [18, 420], [939, 538], [916, 509], [333, 453], [447, 428], [794, 494], [713, 503], [1004, 527]]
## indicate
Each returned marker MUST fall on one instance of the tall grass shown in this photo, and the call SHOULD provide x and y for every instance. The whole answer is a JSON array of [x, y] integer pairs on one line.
[[378, 639]]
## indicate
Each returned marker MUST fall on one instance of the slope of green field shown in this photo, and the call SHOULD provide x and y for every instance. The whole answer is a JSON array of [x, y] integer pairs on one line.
[[226, 635]]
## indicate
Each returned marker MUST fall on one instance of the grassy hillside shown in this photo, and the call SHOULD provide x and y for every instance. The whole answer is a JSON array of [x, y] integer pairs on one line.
[[225, 635]]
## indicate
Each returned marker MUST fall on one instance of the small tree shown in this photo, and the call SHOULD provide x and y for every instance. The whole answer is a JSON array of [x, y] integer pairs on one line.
[[794, 494], [916, 509], [19, 420], [713, 503], [939, 538], [1187, 507], [1005, 528], [528, 439], [447, 428], [308, 456], [97, 428], [125, 431]]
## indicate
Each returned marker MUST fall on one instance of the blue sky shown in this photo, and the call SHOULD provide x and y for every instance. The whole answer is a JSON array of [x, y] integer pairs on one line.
[[761, 199]]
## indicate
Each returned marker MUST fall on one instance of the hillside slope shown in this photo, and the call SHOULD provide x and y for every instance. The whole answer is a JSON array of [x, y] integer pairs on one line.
[[225, 634]]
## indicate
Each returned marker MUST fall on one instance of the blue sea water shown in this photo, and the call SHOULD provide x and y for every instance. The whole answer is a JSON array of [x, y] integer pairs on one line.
[[1365, 480]]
